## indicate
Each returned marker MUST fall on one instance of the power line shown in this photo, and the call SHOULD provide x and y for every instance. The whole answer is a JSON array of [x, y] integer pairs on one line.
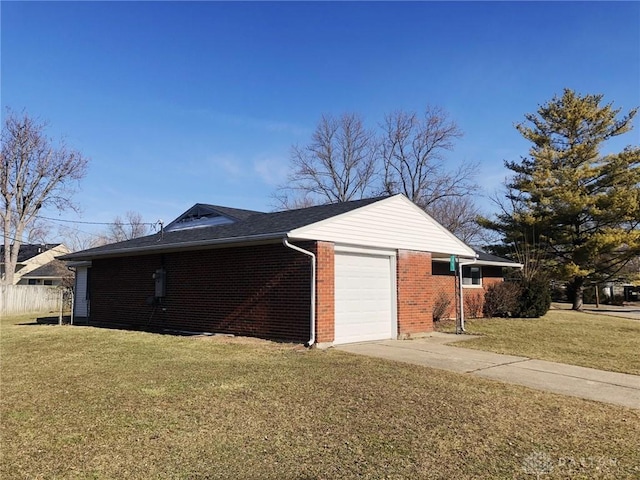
[[92, 234], [157, 226], [32, 242], [151, 224]]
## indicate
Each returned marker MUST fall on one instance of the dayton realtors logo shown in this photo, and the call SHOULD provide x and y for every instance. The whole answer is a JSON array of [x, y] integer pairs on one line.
[[540, 464]]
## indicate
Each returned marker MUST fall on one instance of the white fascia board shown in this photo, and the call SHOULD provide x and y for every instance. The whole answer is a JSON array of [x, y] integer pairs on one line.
[[42, 277], [500, 264], [338, 248], [486, 263]]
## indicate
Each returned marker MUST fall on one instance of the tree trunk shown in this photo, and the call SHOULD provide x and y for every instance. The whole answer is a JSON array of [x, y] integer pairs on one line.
[[7, 278], [577, 285]]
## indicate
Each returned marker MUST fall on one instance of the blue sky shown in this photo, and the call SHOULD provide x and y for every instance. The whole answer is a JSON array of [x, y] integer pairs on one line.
[[183, 102]]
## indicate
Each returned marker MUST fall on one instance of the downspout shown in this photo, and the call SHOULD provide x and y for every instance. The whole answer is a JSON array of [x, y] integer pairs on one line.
[[312, 340], [460, 265]]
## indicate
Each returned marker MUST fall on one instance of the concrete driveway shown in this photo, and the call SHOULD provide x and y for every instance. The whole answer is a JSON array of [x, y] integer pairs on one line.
[[588, 383]]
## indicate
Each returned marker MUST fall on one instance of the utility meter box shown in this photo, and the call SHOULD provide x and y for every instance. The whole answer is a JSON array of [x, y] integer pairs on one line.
[[160, 277]]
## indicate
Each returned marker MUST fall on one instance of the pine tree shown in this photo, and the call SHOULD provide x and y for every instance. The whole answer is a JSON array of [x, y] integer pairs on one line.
[[578, 206]]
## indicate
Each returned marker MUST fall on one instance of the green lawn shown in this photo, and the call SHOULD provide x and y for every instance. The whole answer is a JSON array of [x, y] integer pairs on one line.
[[81, 402], [588, 340]]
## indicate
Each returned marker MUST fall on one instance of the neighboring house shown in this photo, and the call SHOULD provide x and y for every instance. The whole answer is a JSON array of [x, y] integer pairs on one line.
[[621, 291], [53, 273], [37, 264], [330, 274], [481, 273]]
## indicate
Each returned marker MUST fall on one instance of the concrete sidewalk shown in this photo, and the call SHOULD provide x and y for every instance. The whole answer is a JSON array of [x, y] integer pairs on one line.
[[608, 387], [630, 310]]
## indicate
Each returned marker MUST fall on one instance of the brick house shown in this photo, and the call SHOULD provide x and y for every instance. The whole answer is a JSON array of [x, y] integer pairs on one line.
[[330, 274], [479, 274]]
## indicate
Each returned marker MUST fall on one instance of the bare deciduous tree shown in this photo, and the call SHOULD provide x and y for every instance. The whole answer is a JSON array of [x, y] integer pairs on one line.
[[345, 161], [458, 215], [35, 172], [337, 166], [78, 240], [38, 231], [412, 150], [133, 226]]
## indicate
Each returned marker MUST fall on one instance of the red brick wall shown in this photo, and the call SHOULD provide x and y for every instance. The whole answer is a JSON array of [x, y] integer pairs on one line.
[[261, 291], [415, 303], [444, 281], [325, 292]]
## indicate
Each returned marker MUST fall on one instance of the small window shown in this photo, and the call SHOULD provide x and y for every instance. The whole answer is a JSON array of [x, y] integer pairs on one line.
[[48, 282], [472, 276], [33, 281]]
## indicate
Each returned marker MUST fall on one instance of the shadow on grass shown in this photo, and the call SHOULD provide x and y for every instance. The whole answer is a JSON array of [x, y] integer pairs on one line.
[[84, 322], [53, 320]]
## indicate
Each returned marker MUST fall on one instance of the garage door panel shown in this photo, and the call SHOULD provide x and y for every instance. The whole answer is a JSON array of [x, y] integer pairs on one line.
[[363, 298]]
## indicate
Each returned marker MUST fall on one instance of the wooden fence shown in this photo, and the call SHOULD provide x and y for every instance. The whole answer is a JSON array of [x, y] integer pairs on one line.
[[19, 299]]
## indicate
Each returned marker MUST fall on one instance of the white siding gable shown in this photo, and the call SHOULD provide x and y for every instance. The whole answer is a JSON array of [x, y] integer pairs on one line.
[[394, 222]]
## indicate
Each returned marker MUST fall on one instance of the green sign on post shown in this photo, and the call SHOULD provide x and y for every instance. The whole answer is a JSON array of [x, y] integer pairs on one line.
[[452, 263]]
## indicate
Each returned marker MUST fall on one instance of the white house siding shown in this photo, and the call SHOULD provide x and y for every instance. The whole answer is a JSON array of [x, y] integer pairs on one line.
[[81, 304], [391, 223]]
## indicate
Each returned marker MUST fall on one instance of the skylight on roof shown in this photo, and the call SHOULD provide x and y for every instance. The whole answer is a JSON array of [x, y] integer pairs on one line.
[[196, 222], [198, 216]]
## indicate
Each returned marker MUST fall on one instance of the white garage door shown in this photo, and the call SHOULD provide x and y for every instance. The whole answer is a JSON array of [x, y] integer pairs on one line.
[[364, 298]]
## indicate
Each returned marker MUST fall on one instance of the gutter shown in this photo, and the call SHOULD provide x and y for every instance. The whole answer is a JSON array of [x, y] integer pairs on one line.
[[174, 245], [312, 319]]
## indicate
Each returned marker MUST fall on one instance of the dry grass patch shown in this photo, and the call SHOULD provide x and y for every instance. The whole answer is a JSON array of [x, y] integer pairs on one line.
[[576, 338], [80, 402]]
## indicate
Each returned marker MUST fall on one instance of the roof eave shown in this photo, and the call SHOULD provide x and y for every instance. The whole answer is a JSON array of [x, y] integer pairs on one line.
[[44, 277], [79, 263], [487, 263], [149, 249], [499, 264]]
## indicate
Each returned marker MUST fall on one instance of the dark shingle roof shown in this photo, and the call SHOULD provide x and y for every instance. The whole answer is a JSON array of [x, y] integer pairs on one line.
[[29, 250], [255, 226], [487, 257], [54, 269]]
